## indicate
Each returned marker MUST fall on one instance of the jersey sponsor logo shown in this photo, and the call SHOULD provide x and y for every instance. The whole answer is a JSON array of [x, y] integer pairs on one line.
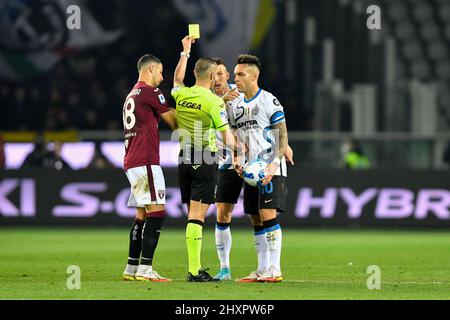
[[247, 123], [255, 110], [191, 105], [267, 201], [162, 99], [196, 166]]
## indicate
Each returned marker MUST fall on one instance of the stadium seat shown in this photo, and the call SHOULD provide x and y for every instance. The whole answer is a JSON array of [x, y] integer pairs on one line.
[[429, 31], [437, 50], [421, 70], [444, 12], [405, 31], [447, 32], [413, 50], [422, 12], [443, 70], [397, 11]]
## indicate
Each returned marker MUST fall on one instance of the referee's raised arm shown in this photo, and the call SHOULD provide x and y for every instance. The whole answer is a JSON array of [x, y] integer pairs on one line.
[[200, 115], [180, 70]]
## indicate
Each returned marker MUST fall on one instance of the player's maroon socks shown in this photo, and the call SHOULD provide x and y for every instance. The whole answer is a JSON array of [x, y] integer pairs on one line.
[[134, 251], [150, 235]]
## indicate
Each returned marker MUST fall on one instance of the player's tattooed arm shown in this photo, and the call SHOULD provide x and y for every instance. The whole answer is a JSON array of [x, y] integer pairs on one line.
[[281, 128], [272, 167], [180, 70]]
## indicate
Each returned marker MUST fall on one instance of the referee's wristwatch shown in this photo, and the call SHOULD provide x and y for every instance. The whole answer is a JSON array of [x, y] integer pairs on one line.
[[186, 54]]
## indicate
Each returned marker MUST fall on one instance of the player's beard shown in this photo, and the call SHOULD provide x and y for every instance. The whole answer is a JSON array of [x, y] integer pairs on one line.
[[156, 82]]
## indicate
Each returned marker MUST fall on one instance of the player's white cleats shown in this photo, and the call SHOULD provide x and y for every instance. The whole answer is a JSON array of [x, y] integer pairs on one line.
[[129, 272], [252, 277], [145, 273], [271, 275]]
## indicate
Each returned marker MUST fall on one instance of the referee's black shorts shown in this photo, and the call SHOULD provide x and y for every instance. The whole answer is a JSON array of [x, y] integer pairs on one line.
[[271, 196], [198, 181], [229, 186]]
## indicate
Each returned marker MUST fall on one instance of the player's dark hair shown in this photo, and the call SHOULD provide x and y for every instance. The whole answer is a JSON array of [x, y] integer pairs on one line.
[[219, 61], [249, 59], [203, 67], [145, 60]]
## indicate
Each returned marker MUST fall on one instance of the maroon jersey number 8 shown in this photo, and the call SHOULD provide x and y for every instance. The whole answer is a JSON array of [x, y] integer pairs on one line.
[[128, 113]]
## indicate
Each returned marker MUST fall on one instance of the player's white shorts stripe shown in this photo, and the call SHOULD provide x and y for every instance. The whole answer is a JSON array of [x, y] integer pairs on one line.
[[147, 186], [150, 182]]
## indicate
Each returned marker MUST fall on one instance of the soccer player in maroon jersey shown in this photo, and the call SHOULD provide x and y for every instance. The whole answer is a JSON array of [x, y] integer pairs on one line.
[[143, 108]]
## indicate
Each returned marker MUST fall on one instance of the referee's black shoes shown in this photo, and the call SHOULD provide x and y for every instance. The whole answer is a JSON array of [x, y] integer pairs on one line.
[[202, 276]]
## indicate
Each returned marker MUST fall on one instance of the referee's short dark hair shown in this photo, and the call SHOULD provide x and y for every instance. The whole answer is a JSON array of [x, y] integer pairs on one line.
[[249, 59], [145, 60], [203, 66]]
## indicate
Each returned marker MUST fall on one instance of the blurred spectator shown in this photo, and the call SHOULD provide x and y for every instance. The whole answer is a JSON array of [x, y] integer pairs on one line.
[[36, 158], [99, 161], [53, 158], [86, 89], [2, 153], [353, 155], [43, 156], [446, 157]]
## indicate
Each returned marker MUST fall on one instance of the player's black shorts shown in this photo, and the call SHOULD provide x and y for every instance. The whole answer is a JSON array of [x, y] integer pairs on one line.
[[229, 186], [198, 181], [271, 196]]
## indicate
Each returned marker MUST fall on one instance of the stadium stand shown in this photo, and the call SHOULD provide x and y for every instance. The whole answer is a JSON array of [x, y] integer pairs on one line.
[[421, 31]]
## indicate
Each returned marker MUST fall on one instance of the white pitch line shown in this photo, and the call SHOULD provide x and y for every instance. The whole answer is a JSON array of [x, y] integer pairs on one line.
[[349, 282], [356, 282]]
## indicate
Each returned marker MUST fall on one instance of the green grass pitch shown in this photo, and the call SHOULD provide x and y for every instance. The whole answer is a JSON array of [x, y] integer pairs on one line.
[[317, 264]]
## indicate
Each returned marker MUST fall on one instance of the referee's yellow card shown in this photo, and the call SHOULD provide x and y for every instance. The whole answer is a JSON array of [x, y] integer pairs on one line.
[[194, 31]]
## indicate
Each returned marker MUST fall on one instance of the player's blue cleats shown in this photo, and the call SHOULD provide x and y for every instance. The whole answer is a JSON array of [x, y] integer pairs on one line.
[[223, 275]]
